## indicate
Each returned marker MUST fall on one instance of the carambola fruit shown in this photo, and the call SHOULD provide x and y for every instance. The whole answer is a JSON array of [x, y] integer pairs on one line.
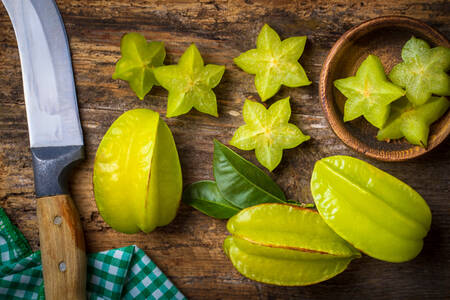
[[375, 212], [423, 71], [411, 122], [139, 58], [285, 245], [137, 173], [369, 93], [268, 131], [190, 84], [274, 62]]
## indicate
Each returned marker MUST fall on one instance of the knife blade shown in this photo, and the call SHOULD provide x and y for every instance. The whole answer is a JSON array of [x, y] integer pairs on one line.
[[56, 141]]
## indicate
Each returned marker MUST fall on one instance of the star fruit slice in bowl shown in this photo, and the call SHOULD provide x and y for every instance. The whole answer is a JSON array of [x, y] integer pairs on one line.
[[368, 93], [411, 122], [423, 71]]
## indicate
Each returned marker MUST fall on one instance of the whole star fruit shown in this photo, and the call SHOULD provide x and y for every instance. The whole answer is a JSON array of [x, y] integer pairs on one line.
[[137, 173], [423, 71], [190, 84], [368, 93], [274, 62], [139, 58], [375, 212], [413, 122], [285, 245], [268, 132]]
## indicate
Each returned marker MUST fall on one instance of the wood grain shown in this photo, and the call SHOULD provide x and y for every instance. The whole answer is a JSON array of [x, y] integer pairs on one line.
[[63, 250], [189, 250]]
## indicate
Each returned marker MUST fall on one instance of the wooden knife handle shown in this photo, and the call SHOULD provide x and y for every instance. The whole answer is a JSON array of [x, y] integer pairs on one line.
[[62, 248]]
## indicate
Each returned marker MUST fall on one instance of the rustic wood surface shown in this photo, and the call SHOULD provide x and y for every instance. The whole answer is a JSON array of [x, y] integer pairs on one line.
[[189, 250]]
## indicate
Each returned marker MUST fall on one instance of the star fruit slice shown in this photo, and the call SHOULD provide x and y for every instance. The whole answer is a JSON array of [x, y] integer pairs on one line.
[[139, 57], [423, 71], [268, 132], [274, 62], [411, 122], [369, 93], [190, 84]]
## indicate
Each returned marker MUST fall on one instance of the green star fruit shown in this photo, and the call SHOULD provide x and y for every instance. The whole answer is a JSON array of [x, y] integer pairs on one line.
[[369, 93], [274, 62], [423, 71], [413, 122], [138, 60], [268, 132], [190, 84]]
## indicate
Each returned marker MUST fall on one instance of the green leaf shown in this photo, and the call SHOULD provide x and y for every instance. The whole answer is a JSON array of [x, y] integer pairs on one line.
[[205, 197], [190, 84], [241, 182], [423, 71], [274, 62], [369, 93], [268, 132], [139, 57]]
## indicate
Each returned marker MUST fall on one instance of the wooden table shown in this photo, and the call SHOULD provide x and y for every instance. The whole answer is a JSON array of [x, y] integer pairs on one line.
[[189, 250]]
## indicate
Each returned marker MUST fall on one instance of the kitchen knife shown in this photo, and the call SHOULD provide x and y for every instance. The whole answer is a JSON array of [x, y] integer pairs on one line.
[[56, 141]]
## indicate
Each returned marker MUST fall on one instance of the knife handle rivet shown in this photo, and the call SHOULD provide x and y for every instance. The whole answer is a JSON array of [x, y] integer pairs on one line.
[[57, 220], [62, 266]]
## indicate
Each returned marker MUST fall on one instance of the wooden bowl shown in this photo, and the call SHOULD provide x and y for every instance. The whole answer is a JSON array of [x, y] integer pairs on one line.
[[383, 37]]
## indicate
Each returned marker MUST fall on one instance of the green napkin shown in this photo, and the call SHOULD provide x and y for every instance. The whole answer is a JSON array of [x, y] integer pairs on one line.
[[123, 273]]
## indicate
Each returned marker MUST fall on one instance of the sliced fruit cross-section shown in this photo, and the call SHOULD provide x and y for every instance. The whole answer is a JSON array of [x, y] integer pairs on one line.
[[268, 132], [423, 71], [369, 93]]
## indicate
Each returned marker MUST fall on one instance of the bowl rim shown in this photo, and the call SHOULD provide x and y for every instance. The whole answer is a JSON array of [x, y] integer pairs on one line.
[[327, 104]]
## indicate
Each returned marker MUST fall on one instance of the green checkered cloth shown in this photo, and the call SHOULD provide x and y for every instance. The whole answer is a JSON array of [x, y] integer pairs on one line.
[[124, 273]]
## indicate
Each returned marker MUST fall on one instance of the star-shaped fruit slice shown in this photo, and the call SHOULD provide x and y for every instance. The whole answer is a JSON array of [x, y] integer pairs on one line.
[[423, 71], [268, 132], [413, 122], [139, 58], [190, 84], [369, 93], [274, 62]]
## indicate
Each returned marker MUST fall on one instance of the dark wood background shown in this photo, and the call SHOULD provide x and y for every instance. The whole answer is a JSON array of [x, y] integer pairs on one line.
[[189, 250]]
